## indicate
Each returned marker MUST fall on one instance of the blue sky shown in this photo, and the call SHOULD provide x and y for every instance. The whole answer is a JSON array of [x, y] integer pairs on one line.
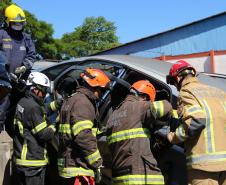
[[134, 19]]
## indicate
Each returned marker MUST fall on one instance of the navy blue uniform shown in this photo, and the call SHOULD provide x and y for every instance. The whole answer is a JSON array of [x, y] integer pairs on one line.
[[4, 77], [18, 48]]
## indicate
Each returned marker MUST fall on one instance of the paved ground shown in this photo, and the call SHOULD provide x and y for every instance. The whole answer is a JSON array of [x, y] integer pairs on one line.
[[6, 148]]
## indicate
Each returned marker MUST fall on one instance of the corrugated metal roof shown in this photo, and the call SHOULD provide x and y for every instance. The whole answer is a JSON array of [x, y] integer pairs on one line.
[[161, 33]]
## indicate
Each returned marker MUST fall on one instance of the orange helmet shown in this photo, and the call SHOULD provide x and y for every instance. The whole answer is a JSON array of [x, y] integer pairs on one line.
[[95, 78], [144, 86]]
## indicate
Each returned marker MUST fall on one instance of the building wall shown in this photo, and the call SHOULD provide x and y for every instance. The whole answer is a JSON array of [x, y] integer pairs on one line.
[[203, 64], [201, 36]]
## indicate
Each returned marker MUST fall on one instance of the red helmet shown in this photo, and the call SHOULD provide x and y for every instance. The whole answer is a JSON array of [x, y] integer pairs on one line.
[[95, 78], [144, 86], [176, 69]]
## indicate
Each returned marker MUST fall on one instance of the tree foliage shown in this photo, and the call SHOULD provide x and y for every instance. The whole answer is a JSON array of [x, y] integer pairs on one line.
[[94, 35], [42, 34]]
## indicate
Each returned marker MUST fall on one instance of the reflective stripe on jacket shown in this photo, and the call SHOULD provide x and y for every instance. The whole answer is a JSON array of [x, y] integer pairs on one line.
[[31, 132], [128, 136], [202, 110], [78, 154]]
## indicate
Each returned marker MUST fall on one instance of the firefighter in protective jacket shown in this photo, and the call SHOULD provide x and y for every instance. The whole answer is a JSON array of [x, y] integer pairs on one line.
[[129, 136], [79, 158], [32, 132], [202, 110]]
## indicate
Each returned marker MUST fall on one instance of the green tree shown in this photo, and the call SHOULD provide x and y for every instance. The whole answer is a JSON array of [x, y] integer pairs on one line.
[[3, 4], [42, 33], [94, 35]]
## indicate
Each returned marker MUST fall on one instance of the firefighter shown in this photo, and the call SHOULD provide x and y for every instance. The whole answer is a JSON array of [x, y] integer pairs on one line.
[[79, 158], [129, 136], [19, 50], [202, 111], [17, 45], [32, 132]]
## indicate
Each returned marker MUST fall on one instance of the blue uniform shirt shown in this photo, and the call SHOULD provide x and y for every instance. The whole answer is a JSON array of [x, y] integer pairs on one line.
[[18, 48]]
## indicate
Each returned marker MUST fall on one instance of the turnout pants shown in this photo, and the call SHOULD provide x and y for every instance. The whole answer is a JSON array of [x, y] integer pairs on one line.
[[199, 177], [23, 178]]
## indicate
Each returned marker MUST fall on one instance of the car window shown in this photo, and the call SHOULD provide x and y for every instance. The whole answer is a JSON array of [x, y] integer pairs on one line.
[[55, 71], [70, 79]]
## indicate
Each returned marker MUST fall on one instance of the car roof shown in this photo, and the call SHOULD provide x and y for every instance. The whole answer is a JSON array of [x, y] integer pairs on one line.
[[155, 68], [144, 65], [40, 65]]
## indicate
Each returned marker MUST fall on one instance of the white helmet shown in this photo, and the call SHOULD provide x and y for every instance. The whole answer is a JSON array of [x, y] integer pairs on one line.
[[38, 79]]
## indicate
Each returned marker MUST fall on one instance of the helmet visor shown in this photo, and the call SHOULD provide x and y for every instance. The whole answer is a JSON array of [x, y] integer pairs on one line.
[[18, 26]]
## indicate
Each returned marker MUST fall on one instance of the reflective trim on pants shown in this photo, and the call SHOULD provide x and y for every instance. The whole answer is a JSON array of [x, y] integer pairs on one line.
[[73, 172], [34, 163], [138, 179]]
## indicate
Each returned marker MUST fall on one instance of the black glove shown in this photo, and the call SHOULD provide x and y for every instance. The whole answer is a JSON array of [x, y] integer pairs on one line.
[[162, 133]]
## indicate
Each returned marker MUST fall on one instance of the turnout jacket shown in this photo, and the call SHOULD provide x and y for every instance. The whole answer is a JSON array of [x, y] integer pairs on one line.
[[129, 139], [31, 132], [202, 110], [78, 152], [18, 48]]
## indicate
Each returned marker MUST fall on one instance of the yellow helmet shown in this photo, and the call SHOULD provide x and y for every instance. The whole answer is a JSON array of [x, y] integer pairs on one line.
[[14, 13]]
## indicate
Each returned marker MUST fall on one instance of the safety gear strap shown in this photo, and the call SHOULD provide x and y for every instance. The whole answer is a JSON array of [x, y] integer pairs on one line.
[[88, 180]]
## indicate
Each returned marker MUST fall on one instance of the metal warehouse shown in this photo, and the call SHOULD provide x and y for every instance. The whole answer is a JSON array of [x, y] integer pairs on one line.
[[202, 43]]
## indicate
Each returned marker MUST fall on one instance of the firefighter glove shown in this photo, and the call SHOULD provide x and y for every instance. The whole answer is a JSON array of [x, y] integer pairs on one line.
[[162, 133], [20, 70]]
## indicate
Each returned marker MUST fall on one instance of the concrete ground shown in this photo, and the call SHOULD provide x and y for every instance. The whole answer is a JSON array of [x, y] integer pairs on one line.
[[6, 149]]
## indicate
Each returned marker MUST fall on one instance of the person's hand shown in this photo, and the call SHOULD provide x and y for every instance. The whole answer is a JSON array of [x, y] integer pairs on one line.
[[162, 133], [20, 70]]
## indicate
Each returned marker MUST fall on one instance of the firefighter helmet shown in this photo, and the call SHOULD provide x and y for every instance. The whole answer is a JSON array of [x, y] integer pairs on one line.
[[15, 17], [176, 70], [144, 86], [95, 78], [38, 80]]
